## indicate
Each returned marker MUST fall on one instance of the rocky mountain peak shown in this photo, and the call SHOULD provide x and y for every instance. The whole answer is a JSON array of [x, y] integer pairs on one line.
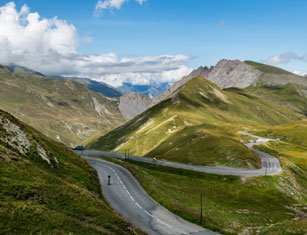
[[233, 73]]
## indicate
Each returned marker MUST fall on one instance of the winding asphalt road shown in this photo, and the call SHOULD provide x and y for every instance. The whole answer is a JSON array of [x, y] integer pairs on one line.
[[269, 164], [127, 197]]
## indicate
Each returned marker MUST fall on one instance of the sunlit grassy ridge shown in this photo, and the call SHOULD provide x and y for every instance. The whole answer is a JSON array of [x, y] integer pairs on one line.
[[60, 198], [200, 124]]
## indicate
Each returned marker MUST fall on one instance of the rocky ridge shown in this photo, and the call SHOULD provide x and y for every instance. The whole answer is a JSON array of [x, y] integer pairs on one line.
[[239, 74]]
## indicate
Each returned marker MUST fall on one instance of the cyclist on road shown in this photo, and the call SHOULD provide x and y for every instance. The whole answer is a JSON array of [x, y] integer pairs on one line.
[[109, 180]]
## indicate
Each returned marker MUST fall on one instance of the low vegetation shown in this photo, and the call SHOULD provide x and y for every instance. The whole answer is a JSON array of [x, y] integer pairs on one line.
[[62, 196], [267, 68]]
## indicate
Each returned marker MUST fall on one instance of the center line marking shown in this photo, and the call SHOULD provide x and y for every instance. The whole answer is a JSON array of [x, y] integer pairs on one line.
[[164, 223], [148, 214], [138, 205]]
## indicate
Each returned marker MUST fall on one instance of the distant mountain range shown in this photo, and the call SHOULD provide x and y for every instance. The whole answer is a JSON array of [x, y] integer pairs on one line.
[[152, 90], [64, 110], [95, 86]]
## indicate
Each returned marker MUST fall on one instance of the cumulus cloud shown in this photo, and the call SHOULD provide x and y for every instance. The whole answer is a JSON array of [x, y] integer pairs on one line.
[[285, 58], [50, 46], [24, 32], [102, 5]]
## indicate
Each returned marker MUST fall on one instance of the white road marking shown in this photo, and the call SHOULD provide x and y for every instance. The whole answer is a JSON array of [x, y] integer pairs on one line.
[[148, 214], [164, 223], [138, 205]]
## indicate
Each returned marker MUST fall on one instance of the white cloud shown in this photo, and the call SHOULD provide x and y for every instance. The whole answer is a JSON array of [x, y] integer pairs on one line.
[[145, 78], [300, 73], [285, 58], [50, 46], [24, 33], [102, 5]]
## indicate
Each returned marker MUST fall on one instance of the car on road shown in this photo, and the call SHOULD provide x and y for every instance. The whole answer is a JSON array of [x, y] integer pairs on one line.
[[79, 148]]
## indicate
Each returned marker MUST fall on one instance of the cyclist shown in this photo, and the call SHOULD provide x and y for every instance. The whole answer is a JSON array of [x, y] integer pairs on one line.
[[109, 180]]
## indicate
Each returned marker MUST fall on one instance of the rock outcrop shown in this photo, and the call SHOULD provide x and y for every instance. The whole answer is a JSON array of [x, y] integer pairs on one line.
[[133, 104]]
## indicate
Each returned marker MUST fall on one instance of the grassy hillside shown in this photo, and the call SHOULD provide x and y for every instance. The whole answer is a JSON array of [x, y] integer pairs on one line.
[[46, 189], [200, 124], [63, 110], [294, 133], [267, 68]]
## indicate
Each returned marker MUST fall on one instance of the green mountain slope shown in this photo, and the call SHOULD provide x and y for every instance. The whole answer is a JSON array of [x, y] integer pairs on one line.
[[63, 110], [199, 124], [47, 189]]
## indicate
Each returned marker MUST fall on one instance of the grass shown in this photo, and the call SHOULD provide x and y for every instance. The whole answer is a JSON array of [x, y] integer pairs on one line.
[[294, 133], [198, 146], [64, 198], [267, 68]]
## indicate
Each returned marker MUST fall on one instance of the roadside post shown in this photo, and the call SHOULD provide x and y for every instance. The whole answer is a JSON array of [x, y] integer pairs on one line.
[[201, 208]]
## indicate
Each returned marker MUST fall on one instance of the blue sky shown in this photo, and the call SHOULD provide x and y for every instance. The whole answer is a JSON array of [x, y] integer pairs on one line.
[[204, 30]]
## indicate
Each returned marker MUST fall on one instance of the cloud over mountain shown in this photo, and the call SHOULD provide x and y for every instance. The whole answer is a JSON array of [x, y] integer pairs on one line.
[[285, 58], [51, 47]]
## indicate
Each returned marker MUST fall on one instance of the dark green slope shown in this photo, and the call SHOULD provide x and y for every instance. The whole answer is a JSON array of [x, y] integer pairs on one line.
[[47, 189]]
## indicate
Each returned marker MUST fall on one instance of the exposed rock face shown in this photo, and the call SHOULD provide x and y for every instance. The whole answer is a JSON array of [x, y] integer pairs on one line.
[[233, 73], [13, 136], [133, 104]]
